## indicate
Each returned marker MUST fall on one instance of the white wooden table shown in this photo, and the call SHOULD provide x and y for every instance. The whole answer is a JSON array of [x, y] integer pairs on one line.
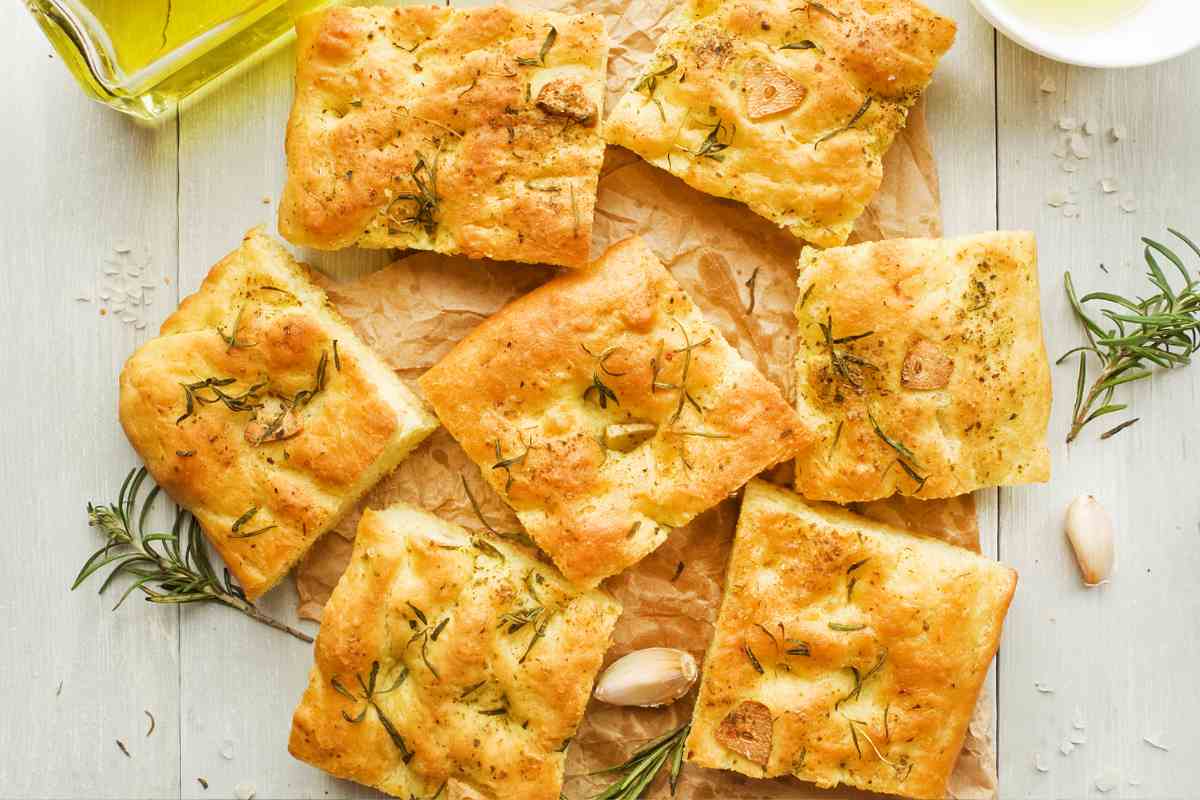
[[82, 182]]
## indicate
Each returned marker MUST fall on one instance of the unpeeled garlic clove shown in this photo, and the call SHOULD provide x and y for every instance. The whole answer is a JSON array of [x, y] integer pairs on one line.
[[1090, 531], [655, 676]]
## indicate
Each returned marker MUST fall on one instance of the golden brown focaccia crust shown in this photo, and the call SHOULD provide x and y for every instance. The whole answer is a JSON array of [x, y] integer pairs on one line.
[[867, 646], [449, 661], [460, 131], [300, 420], [783, 105], [933, 379], [537, 396]]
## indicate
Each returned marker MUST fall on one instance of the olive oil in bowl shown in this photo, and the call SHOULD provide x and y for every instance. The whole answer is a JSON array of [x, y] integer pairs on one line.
[[142, 56], [1078, 15]]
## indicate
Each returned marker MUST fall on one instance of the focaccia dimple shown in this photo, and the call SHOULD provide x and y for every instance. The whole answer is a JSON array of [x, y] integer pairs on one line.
[[920, 364], [785, 105], [846, 651], [449, 665], [468, 131], [260, 411], [604, 409]]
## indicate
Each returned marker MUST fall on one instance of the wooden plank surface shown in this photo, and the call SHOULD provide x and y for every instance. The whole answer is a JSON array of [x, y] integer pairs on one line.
[[80, 183], [84, 182], [1117, 658]]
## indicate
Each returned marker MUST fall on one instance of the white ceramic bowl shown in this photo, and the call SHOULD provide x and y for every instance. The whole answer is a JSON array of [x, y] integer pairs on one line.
[[1159, 30]]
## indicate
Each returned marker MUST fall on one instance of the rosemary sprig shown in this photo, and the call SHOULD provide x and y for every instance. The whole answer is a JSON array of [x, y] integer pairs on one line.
[[519, 536], [230, 338], [712, 145], [1161, 330], [424, 178], [803, 44], [369, 693], [847, 366], [907, 459], [857, 116], [540, 61], [536, 616], [424, 632], [603, 393], [649, 83], [169, 566], [194, 393], [640, 769]]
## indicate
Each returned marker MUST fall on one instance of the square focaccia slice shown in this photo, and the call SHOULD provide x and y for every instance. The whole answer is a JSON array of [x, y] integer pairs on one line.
[[470, 131], [449, 665], [261, 412], [783, 105], [921, 365], [846, 651], [605, 410]]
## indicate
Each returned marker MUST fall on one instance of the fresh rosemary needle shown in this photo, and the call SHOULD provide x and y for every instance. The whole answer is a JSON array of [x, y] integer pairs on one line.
[[168, 566], [1161, 330], [641, 768]]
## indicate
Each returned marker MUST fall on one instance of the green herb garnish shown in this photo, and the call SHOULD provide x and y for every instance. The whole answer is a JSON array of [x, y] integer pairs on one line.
[[424, 633], [240, 522], [907, 460], [637, 772], [803, 44], [369, 693], [195, 393], [847, 366], [540, 61], [520, 536], [170, 567], [1162, 330], [844, 628], [231, 339], [424, 178], [857, 116]]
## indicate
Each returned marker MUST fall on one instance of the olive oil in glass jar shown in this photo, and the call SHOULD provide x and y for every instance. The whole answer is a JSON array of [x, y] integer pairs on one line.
[[143, 56]]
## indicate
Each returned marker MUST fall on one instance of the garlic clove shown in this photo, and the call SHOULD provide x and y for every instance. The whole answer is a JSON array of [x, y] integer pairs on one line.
[[655, 676], [1090, 531], [625, 437]]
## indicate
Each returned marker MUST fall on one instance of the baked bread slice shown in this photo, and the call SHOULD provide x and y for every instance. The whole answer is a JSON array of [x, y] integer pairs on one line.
[[920, 363], [605, 410], [261, 412], [846, 651], [784, 105], [471, 131], [449, 665]]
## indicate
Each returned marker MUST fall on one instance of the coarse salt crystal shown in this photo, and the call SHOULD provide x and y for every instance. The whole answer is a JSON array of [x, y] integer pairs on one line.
[[1038, 764], [1118, 132], [244, 791], [1071, 212], [1089, 127], [227, 749], [1048, 85], [122, 247], [1079, 148], [1108, 780], [1043, 688], [1066, 748], [1108, 185], [1054, 200], [1078, 738], [1070, 166], [1128, 204], [1067, 123]]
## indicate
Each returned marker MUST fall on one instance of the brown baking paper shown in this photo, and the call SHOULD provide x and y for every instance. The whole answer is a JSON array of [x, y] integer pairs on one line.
[[415, 310]]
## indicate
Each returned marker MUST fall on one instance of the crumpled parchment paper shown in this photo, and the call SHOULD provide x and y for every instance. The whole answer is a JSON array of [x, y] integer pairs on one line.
[[415, 310]]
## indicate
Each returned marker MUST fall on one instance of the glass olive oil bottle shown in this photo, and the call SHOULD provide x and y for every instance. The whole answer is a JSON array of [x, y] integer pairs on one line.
[[142, 56]]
